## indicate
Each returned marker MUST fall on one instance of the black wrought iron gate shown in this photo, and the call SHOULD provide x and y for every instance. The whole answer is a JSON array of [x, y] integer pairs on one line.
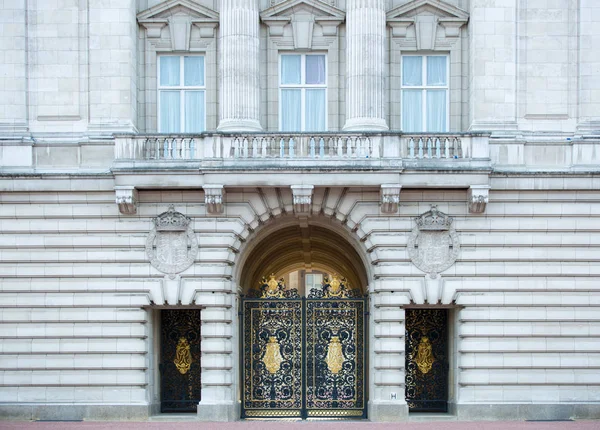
[[427, 360], [180, 360], [304, 357]]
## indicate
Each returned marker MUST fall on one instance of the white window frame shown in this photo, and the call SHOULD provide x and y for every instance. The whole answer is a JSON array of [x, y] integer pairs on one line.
[[303, 87], [424, 87], [182, 88]]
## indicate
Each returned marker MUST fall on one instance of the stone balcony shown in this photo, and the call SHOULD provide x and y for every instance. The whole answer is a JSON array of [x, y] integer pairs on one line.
[[276, 159]]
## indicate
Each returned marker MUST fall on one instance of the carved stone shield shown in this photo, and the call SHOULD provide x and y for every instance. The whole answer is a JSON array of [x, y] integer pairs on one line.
[[171, 245], [433, 245]]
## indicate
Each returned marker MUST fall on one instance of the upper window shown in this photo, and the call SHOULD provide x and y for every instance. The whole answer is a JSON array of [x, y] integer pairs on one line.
[[303, 93], [181, 94], [424, 93]]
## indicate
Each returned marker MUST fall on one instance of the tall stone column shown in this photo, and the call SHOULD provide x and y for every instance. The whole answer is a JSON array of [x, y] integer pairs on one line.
[[365, 59], [239, 66]]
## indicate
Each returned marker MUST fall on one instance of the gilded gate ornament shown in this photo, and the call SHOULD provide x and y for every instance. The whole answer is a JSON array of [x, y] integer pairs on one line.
[[183, 356], [424, 355], [272, 357], [335, 356]]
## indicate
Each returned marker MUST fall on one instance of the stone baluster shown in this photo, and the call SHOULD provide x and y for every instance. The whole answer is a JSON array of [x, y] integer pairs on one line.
[[239, 66], [365, 51]]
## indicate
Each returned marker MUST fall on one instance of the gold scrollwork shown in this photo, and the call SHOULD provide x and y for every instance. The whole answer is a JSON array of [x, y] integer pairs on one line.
[[272, 288], [272, 358], [335, 356], [183, 356], [424, 355]]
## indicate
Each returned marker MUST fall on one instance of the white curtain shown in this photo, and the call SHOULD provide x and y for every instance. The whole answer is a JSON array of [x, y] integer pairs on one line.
[[436, 70], [170, 112], [194, 111], [290, 69], [436, 110], [315, 69], [412, 111], [412, 70], [315, 110], [290, 110], [169, 70], [193, 68]]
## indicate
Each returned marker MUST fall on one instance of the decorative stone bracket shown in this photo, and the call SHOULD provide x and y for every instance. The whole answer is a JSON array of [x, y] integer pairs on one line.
[[213, 198], [477, 198], [302, 198], [390, 198], [126, 199]]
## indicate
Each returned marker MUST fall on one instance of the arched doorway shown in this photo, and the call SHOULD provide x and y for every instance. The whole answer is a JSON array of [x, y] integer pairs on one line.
[[303, 326]]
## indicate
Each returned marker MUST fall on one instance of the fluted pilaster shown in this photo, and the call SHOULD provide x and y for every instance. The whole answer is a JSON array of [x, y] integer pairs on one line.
[[239, 66], [365, 50]]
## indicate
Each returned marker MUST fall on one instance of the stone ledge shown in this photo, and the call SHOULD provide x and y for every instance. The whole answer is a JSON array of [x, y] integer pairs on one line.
[[70, 411], [529, 411]]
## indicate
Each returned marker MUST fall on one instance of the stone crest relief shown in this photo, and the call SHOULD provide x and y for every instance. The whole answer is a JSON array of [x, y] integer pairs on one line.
[[171, 245], [433, 245]]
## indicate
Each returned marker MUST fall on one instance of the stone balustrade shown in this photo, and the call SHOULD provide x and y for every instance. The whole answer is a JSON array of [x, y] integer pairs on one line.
[[302, 146]]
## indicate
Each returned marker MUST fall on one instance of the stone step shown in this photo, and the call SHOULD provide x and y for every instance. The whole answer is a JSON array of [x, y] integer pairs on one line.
[[173, 417], [423, 417]]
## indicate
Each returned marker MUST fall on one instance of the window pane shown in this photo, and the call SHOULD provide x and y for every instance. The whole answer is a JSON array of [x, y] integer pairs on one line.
[[412, 70], [315, 110], [169, 71], [194, 111], [193, 71], [290, 69], [315, 69], [412, 111], [436, 110], [169, 112], [436, 70], [290, 110]]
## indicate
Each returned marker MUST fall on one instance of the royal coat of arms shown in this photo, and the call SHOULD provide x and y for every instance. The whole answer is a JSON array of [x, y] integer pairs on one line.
[[171, 245], [433, 245]]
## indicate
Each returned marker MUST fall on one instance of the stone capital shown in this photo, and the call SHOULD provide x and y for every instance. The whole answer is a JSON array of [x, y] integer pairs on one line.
[[214, 196], [126, 199], [477, 198], [302, 198], [390, 198]]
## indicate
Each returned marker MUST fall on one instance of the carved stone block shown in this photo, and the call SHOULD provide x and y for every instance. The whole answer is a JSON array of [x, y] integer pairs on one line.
[[478, 197], [302, 198], [126, 199], [214, 198], [390, 198]]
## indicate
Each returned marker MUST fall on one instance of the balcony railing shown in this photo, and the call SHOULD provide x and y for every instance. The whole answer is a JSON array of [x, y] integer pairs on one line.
[[443, 147]]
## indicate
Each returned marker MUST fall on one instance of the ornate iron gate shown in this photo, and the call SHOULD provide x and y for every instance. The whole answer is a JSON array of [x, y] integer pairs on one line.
[[426, 360], [304, 357], [180, 360]]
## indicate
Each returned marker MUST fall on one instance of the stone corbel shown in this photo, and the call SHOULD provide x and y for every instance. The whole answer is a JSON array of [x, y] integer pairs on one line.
[[126, 199], [390, 198], [276, 25], [206, 27], [329, 25], [213, 198], [400, 26], [154, 27], [452, 25], [478, 197], [302, 198]]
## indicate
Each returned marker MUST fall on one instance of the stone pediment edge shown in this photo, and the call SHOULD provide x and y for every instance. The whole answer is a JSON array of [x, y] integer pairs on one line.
[[327, 11], [401, 12], [151, 14]]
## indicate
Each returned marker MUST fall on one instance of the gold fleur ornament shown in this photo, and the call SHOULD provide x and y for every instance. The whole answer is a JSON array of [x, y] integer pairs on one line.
[[272, 358], [183, 356], [424, 355], [335, 356]]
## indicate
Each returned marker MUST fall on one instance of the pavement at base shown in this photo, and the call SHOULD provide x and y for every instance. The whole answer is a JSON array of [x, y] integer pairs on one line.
[[303, 425]]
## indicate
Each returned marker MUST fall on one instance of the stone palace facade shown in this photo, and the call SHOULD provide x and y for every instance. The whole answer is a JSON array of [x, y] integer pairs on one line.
[[299, 208]]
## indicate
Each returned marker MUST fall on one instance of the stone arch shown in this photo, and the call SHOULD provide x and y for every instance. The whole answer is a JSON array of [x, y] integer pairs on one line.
[[286, 243]]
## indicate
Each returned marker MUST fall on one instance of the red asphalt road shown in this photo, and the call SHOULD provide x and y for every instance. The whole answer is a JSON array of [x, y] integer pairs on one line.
[[305, 425]]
